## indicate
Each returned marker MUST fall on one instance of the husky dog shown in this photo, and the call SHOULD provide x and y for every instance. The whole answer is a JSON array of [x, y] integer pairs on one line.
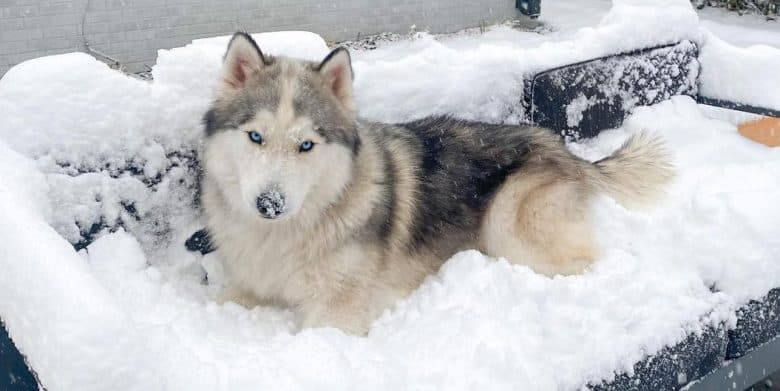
[[313, 208]]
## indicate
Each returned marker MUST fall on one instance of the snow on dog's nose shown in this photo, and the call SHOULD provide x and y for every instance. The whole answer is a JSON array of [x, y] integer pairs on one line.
[[271, 204]]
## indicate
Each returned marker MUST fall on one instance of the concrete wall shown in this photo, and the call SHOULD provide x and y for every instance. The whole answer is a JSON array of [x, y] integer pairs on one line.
[[131, 31]]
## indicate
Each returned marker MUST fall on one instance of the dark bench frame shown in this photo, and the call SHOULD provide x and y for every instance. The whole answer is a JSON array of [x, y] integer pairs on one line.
[[530, 8], [14, 371]]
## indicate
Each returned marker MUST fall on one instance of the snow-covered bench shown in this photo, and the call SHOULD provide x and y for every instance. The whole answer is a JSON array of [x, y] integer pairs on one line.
[[98, 161]]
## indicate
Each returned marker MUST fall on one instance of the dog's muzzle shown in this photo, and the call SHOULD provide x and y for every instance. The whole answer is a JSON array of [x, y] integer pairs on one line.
[[271, 204]]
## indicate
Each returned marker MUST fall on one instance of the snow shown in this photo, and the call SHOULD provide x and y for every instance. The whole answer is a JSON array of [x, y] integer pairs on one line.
[[740, 49], [575, 109], [564, 18], [134, 310], [743, 68], [51, 302], [480, 76], [736, 48], [740, 30]]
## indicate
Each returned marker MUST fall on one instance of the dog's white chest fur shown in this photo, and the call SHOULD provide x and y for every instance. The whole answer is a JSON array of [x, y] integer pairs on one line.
[[269, 264], [289, 268]]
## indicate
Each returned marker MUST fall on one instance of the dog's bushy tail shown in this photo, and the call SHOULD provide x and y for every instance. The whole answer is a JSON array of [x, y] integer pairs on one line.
[[635, 174]]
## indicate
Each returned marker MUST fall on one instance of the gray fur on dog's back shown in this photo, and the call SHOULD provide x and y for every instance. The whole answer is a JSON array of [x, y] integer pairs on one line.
[[460, 164]]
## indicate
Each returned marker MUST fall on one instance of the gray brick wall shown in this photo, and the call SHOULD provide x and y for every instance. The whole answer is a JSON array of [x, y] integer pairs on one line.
[[131, 31]]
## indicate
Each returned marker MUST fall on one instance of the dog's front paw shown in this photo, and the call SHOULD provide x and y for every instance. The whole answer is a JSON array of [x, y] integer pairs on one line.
[[238, 296], [200, 241], [348, 323]]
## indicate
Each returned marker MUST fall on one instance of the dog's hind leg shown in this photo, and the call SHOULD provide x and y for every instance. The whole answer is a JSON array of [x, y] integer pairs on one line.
[[541, 220]]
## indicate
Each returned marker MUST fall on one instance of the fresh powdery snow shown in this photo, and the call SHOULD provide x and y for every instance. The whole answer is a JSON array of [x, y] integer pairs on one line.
[[743, 68], [83, 146]]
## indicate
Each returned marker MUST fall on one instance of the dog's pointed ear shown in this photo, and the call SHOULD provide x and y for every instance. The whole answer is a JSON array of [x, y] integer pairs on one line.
[[336, 70], [243, 57]]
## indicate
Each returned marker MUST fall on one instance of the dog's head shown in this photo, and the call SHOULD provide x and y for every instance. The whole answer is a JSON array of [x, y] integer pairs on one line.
[[282, 133]]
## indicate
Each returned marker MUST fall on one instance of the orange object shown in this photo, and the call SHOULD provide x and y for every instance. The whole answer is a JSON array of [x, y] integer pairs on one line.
[[765, 130]]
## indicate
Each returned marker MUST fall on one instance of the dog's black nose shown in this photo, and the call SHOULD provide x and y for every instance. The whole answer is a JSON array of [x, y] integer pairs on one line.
[[271, 204]]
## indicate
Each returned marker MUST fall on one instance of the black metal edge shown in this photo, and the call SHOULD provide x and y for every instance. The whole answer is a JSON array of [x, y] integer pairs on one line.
[[530, 87], [727, 104], [530, 8], [670, 368], [15, 373], [743, 372], [758, 322]]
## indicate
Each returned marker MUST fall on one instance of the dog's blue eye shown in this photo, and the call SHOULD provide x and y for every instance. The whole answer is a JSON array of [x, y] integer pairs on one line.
[[306, 146], [255, 137]]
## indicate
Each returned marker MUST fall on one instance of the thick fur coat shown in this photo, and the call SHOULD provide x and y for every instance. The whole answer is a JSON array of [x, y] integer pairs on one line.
[[313, 208]]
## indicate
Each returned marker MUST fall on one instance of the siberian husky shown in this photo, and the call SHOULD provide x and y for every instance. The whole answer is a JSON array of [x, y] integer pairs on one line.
[[311, 207]]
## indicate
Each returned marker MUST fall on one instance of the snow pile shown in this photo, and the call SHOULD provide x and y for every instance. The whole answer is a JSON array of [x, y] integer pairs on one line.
[[746, 75], [56, 312], [119, 151], [80, 143], [481, 76]]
